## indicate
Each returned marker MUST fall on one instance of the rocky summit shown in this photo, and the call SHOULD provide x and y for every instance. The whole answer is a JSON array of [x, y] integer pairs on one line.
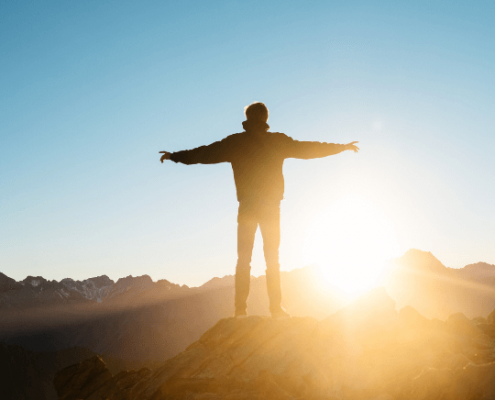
[[368, 350]]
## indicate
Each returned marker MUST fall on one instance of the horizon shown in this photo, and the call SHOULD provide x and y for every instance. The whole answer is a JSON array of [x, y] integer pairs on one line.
[[91, 93], [310, 266]]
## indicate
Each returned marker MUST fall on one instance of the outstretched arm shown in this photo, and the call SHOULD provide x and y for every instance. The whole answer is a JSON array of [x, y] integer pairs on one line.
[[308, 150], [212, 154]]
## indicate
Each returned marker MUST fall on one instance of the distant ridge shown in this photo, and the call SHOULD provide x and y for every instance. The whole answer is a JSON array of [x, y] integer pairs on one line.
[[37, 291], [420, 280]]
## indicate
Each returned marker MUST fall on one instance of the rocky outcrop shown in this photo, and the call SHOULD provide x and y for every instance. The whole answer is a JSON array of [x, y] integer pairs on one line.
[[367, 350], [92, 379], [28, 375], [84, 379]]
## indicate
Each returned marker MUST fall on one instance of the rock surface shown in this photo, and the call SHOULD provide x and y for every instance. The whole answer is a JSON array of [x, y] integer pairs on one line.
[[367, 350], [28, 375]]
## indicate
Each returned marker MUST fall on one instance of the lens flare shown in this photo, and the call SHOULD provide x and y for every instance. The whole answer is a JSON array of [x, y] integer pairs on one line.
[[351, 242]]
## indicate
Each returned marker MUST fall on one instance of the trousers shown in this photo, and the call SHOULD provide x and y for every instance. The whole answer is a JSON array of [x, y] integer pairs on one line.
[[266, 215]]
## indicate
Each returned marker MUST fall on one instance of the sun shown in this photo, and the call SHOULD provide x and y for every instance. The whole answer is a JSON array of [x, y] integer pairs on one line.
[[351, 243]]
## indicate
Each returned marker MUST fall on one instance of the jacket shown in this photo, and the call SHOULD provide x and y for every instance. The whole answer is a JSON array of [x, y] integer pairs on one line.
[[257, 158]]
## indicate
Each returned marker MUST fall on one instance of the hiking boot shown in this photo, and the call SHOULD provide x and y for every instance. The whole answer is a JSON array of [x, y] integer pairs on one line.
[[280, 314]]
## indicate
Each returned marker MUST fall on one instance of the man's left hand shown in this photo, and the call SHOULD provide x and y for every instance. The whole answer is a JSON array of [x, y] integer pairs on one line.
[[352, 146]]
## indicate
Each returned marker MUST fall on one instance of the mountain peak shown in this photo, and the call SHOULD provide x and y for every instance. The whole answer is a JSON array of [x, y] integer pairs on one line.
[[7, 283], [415, 259], [34, 281]]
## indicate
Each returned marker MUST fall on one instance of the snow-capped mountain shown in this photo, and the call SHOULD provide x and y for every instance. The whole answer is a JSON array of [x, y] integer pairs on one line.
[[33, 291], [92, 289], [37, 291]]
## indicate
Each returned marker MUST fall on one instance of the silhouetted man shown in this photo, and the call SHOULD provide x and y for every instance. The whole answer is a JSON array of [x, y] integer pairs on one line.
[[257, 157]]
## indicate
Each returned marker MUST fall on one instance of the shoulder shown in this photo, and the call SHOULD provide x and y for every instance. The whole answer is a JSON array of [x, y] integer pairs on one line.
[[234, 137], [231, 139]]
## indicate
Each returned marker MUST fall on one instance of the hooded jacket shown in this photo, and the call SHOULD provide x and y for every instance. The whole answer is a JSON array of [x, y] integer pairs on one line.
[[257, 158]]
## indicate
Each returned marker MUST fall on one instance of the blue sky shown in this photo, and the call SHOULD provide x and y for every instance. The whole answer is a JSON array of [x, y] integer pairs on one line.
[[91, 91]]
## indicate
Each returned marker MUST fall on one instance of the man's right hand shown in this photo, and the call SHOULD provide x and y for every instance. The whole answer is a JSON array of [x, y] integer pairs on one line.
[[166, 156]]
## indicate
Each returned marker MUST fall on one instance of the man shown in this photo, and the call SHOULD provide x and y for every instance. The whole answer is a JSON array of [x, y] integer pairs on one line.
[[257, 157]]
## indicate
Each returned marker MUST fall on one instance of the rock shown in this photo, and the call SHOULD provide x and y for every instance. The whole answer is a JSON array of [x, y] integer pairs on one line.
[[488, 329], [81, 380], [412, 318], [459, 323], [491, 318], [431, 384], [125, 383], [470, 383], [478, 320], [458, 361], [365, 351], [26, 374]]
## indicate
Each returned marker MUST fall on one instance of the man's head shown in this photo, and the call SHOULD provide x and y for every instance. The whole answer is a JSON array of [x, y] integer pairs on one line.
[[256, 112]]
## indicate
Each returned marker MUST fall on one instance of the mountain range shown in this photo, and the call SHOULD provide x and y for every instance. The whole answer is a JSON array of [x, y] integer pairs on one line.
[[142, 322], [114, 317]]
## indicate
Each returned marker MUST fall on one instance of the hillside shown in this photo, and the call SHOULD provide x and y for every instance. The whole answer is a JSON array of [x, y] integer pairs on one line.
[[367, 350]]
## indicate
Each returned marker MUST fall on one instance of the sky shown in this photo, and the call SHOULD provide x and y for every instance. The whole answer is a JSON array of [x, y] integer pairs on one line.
[[91, 91]]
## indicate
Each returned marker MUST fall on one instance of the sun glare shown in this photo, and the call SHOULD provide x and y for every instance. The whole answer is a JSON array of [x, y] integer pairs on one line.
[[351, 243]]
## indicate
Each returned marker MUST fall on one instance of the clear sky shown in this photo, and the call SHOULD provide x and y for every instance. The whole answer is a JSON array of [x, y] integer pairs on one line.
[[90, 91]]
